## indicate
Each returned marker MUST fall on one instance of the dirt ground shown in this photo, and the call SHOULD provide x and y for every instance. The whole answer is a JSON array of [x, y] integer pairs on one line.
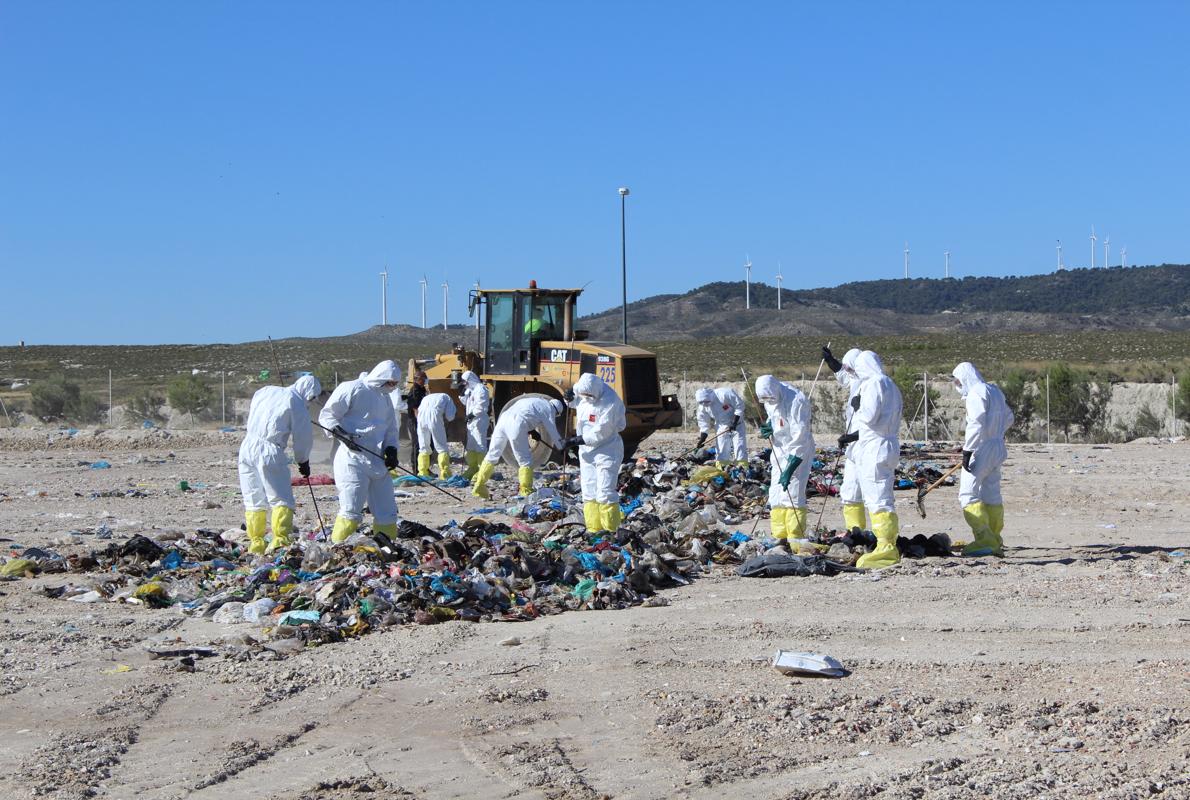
[[1061, 671]]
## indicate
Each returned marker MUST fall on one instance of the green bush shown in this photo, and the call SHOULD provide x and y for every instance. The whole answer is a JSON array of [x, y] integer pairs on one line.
[[146, 406], [1077, 403], [1183, 395], [189, 393], [1021, 396], [59, 399]]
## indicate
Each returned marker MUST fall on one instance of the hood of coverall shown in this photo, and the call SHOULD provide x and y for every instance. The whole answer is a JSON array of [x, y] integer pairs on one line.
[[383, 373], [558, 406], [704, 397], [307, 387], [868, 365], [590, 385], [769, 390], [469, 379], [966, 377]]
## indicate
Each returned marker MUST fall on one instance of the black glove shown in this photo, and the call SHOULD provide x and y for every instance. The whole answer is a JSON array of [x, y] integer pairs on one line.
[[832, 362], [390, 458], [345, 438], [568, 396], [967, 460], [470, 418], [573, 441], [304, 469], [855, 403], [848, 438], [535, 436], [735, 423], [702, 437]]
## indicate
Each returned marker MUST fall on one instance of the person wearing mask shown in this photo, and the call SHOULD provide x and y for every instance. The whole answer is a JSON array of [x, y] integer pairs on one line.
[[277, 416], [417, 392], [875, 429], [723, 410], [436, 409], [984, 451], [849, 493], [477, 404], [599, 419], [360, 414], [792, 440], [517, 421]]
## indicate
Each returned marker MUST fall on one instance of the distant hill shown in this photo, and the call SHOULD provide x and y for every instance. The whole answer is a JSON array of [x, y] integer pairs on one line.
[[1104, 299]]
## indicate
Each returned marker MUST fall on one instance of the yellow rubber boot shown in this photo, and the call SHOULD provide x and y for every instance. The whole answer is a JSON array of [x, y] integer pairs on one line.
[[854, 517], [795, 523], [611, 516], [256, 522], [389, 529], [282, 528], [480, 487], [343, 529], [444, 466], [777, 523], [525, 476], [592, 516], [986, 542], [423, 465], [885, 525], [995, 519], [473, 460]]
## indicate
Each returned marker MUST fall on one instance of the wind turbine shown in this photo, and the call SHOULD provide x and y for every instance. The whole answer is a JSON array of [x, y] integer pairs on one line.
[[1060, 267], [1106, 251], [384, 296], [1093, 240], [747, 282], [424, 285], [906, 259], [780, 278], [445, 302], [947, 254], [1124, 256]]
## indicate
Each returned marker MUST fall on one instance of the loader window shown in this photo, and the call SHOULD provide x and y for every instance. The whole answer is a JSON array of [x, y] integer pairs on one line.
[[501, 342], [544, 320]]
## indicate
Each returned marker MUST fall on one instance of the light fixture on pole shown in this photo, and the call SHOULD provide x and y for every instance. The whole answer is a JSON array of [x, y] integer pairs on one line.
[[780, 277], [384, 296], [624, 263], [906, 260], [424, 285], [747, 282], [1093, 240], [445, 302], [946, 269]]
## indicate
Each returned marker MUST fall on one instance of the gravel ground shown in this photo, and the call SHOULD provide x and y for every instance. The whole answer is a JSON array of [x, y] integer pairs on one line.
[[1060, 671]]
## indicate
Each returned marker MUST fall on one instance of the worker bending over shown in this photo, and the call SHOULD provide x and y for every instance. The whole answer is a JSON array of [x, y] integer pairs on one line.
[[361, 415], [723, 408], [528, 415], [277, 415], [436, 409]]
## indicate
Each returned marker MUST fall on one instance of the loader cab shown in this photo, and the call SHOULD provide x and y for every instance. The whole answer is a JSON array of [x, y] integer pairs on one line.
[[516, 321]]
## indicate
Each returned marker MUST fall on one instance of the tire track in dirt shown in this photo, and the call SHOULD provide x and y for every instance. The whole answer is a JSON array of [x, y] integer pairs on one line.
[[243, 755]]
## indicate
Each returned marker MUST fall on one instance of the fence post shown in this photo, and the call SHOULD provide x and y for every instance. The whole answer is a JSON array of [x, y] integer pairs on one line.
[[1049, 438], [109, 398], [925, 397]]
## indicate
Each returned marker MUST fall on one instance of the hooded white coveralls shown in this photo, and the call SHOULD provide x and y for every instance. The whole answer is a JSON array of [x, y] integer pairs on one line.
[[878, 422], [720, 407], [478, 404], [849, 492], [599, 418], [789, 416], [988, 420], [363, 408], [432, 415], [515, 422], [276, 415]]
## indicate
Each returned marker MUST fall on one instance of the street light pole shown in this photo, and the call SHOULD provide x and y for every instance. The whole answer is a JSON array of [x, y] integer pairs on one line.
[[624, 263]]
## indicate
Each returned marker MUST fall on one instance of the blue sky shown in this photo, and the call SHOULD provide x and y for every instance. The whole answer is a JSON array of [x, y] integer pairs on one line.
[[198, 172]]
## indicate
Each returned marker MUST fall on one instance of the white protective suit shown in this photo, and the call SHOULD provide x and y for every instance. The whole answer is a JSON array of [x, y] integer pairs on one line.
[[988, 419], [277, 415], [598, 420], [849, 491], [478, 405], [878, 422], [789, 415], [363, 408], [719, 408], [435, 411], [515, 422]]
